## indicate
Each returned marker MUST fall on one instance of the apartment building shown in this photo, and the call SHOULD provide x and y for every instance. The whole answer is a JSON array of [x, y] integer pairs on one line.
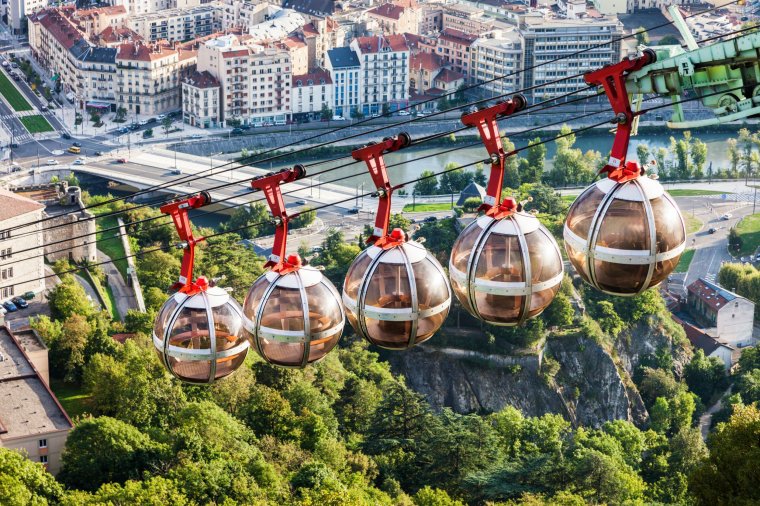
[[309, 92], [393, 19], [321, 35], [299, 53], [384, 72], [201, 94], [138, 7], [277, 26], [423, 68], [466, 18], [243, 14], [94, 21], [343, 65], [148, 77], [496, 61], [32, 420], [21, 250], [431, 19], [576, 40], [255, 80], [19, 10], [454, 47], [178, 24]]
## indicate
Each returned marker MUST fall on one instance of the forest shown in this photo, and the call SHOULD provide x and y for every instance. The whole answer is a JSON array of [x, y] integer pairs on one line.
[[350, 431]]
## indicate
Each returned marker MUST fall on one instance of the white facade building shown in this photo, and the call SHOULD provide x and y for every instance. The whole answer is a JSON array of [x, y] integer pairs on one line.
[[178, 24], [384, 73], [309, 93], [343, 65], [730, 315], [22, 265], [496, 61]]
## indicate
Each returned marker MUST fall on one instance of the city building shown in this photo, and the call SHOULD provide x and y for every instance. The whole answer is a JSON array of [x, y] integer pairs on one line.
[[309, 93], [710, 345], [148, 77], [200, 100], [72, 231], [255, 80], [448, 81], [466, 18], [392, 19], [384, 73], [138, 7], [243, 14], [496, 61], [730, 316], [314, 9], [299, 53], [423, 68], [18, 10], [94, 21], [22, 265], [454, 47], [277, 26], [32, 420], [343, 65], [320, 36], [576, 41], [178, 24], [431, 19]]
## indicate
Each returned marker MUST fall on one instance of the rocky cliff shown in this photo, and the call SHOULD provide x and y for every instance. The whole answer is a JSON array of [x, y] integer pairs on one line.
[[587, 382]]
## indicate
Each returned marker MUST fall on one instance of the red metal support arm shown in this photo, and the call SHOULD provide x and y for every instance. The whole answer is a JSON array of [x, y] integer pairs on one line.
[[486, 122], [612, 78], [372, 155], [270, 185], [178, 211]]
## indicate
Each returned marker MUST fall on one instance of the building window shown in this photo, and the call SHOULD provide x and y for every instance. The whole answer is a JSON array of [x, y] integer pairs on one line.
[[43, 459], [43, 443]]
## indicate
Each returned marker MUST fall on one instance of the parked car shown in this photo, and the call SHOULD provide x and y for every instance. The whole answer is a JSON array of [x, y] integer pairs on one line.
[[727, 216], [66, 136], [15, 167], [14, 65], [339, 118], [196, 136], [280, 123], [353, 210], [712, 230], [16, 77], [237, 131], [28, 295], [161, 116], [123, 130], [10, 306], [98, 153], [404, 113], [142, 122], [5, 63], [317, 249], [121, 160], [301, 202], [52, 162], [430, 219], [176, 172], [13, 145], [18, 301]]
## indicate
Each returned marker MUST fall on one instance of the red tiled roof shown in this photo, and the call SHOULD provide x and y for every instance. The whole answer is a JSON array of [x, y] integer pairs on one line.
[[315, 76], [457, 36], [425, 61], [136, 51], [293, 42], [449, 76], [699, 338], [202, 80], [235, 53], [389, 11], [712, 295], [111, 34], [109, 10], [309, 29], [60, 27], [412, 40], [12, 205], [375, 44]]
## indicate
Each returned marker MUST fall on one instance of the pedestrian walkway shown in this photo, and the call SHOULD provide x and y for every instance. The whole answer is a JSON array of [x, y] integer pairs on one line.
[[124, 295]]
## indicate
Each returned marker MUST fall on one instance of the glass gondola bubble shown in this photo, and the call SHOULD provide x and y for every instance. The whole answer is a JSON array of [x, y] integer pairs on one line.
[[626, 235], [505, 267], [199, 333], [396, 293], [293, 313]]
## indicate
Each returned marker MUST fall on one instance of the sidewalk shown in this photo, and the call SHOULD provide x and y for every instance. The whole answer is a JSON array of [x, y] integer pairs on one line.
[[122, 294]]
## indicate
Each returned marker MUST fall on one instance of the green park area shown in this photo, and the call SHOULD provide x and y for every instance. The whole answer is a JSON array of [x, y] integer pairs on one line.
[[36, 124], [693, 224], [694, 193], [109, 242], [73, 398], [12, 95], [748, 231], [685, 261], [421, 208]]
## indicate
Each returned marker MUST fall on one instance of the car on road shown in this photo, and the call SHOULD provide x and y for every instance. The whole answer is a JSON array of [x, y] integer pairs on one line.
[[421, 114], [430, 219], [301, 202], [5, 63], [712, 230], [123, 130], [142, 122], [14, 65], [15, 167], [376, 115], [121, 160], [176, 172], [75, 149], [196, 136], [52, 162], [78, 161], [9, 306], [15, 77], [18, 301], [317, 249], [66, 136], [76, 144], [133, 126], [161, 117], [13, 145], [726, 216], [353, 210], [404, 113], [98, 153], [339, 118], [237, 131]]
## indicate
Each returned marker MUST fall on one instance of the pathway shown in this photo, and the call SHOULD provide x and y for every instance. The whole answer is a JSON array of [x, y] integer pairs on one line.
[[124, 295], [90, 291], [706, 419]]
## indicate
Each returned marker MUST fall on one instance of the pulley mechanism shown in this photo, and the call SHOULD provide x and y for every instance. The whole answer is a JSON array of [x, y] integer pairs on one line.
[[395, 293], [505, 267], [199, 333], [293, 313]]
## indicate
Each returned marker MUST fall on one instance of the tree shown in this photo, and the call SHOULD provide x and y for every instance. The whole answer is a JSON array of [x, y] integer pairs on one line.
[[732, 471], [608, 318], [471, 204], [24, 482], [560, 312], [166, 123], [705, 375], [386, 109], [326, 114], [642, 36], [336, 256], [152, 491], [304, 218], [642, 153], [103, 450], [158, 268], [121, 113], [699, 157], [427, 185], [659, 415], [535, 156], [69, 349], [748, 386], [427, 496], [668, 40], [69, 298]]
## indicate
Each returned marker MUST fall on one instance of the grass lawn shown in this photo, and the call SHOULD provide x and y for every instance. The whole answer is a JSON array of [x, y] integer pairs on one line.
[[36, 124], [112, 302], [694, 193], [73, 398], [749, 231], [12, 95], [685, 261], [693, 224], [421, 208], [569, 199], [112, 246]]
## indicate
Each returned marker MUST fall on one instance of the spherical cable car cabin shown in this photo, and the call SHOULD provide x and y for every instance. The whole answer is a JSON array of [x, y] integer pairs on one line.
[[396, 294], [199, 332], [293, 313]]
